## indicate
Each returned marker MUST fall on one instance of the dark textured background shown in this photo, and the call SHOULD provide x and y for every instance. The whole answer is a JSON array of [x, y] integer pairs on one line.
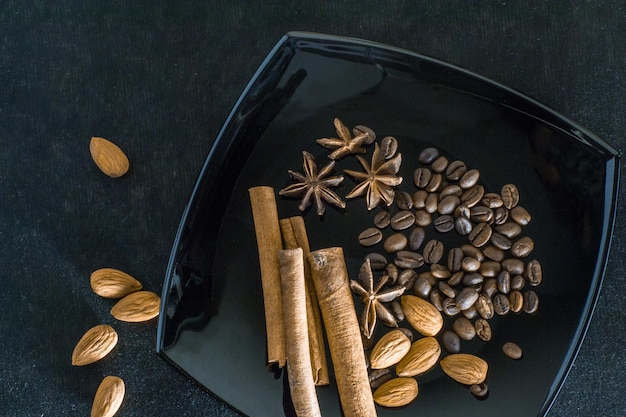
[[159, 80]]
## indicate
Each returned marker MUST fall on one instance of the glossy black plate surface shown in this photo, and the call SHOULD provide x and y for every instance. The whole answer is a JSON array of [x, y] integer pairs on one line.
[[212, 323]]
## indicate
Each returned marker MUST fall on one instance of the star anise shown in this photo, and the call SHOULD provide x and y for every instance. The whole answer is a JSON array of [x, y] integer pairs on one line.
[[314, 184], [377, 180], [345, 144], [373, 296]]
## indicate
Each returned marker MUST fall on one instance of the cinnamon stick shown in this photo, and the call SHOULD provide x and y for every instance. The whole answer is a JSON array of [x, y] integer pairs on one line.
[[295, 236], [299, 371], [269, 243], [330, 277]]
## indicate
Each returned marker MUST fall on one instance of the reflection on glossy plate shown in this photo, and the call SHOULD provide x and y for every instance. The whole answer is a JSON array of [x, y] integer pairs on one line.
[[212, 323]]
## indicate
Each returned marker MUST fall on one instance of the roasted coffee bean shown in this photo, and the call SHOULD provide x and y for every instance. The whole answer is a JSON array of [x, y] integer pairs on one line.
[[404, 201], [517, 282], [435, 183], [371, 135], [395, 243], [473, 251], [509, 229], [471, 312], [463, 226], [428, 277], [469, 179], [469, 264], [516, 301], [512, 350], [462, 211], [479, 390], [500, 241], [492, 200], [500, 215], [422, 287], [431, 203], [389, 147], [455, 256], [456, 278], [444, 223], [484, 306], [436, 299], [451, 341], [423, 218], [510, 195], [451, 190], [466, 298], [481, 214], [433, 251], [455, 170], [483, 329], [447, 290], [464, 328], [522, 247], [472, 196], [534, 273], [480, 235], [513, 265], [416, 238], [501, 304], [428, 155], [493, 253], [440, 271], [520, 215], [504, 281], [402, 220], [449, 307], [490, 287], [419, 199], [473, 278], [407, 278], [421, 177], [407, 332], [448, 204], [382, 219], [396, 309], [378, 262], [490, 268], [531, 302], [391, 270], [408, 260], [377, 377], [439, 164], [370, 237]]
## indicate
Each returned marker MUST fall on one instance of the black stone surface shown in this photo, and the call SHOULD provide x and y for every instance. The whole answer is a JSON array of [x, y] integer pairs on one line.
[[159, 80]]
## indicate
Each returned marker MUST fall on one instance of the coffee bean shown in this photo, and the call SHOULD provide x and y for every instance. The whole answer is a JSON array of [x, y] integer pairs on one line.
[[463, 226], [370, 237], [480, 235], [481, 214], [455, 256], [382, 219], [451, 190], [464, 328], [377, 377], [422, 287], [404, 201], [435, 183], [510, 195], [466, 298], [439, 164], [432, 201], [396, 309], [395, 243], [501, 304], [479, 390], [407, 278], [449, 307], [492, 200], [473, 278], [451, 341], [360, 129], [509, 229], [500, 241], [473, 251], [490, 287], [455, 170], [470, 313], [456, 278], [462, 211], [421, 177], [391, 270], [500, 215], [469, 264], [408, 260], [531, 302], [440, 271], [483, 329], [516, 301], [407, 332], [484, 306], [522, 247], [447, 290], [472, 196], [402, 220], [433, 251], [436, 299], [378, 262], [416, 238], [520, 215], [448, 204], [512, 350], [534, 273], [504, 281], [517, 282], [493, 253], [513, 265], [444, 223], [490, 268], [419, 199], [423, 218], [428, 277], [469, 179], [389, 146], [428, 155]]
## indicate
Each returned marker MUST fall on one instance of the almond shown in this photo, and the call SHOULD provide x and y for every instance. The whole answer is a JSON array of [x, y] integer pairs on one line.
[[389, 350], [422, 356], [109, 397], [465, 368], [108, 157], [136, 307], [422, 315], [396, 392], [95, 344], [113, 283]]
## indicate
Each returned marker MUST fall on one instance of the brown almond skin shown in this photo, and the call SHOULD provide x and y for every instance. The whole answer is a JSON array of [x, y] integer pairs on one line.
[[137, 307], [422, 315], [113, 283], [108, 157], [109, 397], [422, 356], [396, 392], [95, 344], [392, 347], [465, 368]]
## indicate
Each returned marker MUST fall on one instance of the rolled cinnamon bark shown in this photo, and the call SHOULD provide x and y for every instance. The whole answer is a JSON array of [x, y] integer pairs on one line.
[[269, 243], [330, 277], [301, 384], [295, 236]]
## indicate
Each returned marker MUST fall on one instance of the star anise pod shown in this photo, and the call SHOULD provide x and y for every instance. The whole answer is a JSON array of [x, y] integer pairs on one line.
[[377, 180], [373, 296], [345, 144], [314, 184]]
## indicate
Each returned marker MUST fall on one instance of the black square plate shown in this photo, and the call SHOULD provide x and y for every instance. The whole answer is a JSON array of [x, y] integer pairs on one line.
[[212, 321]]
